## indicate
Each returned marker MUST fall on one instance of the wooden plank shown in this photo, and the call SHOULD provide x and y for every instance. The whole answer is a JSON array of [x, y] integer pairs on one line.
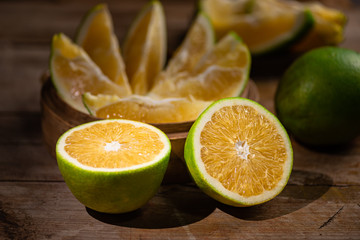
[[21, 68], [18, 128], [27, 162], [66, 17], [37, 211]]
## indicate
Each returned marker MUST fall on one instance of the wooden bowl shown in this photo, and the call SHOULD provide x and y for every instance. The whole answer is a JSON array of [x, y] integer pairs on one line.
[[57, 117]]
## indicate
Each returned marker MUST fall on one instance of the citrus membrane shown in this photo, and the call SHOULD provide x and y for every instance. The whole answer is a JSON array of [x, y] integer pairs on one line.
[[223, 71], [198, 41], [143, 108], [239, 153], [73, 73], [144, 48], [113, 166], [96, 36], [269, 26]]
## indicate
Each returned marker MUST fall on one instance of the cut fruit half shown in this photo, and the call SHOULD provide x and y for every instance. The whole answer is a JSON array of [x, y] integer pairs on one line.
[[96, 36], [144, 109], [113, 166], [74, 73], [145, 48], [271, 25], [239, 153], [222, 72]]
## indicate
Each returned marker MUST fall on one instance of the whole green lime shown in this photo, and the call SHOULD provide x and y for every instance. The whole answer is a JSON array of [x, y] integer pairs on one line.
[[318, 97]]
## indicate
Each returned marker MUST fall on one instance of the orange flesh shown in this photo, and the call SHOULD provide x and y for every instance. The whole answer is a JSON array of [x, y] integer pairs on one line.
[[176, 111], [143, 53], [99, 33], [249, 155], [217, 76], [191, 50], [264, 31], [113, 145]]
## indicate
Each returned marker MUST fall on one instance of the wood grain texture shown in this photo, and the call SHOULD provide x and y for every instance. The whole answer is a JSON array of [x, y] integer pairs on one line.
[[48, 210], [321, 200]]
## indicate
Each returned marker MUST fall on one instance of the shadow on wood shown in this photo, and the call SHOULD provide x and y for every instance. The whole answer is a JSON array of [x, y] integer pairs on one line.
[[173, 206], [303, 188]]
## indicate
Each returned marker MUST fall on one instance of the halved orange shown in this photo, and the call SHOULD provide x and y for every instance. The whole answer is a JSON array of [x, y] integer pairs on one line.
[[239, 153], [113, 166]]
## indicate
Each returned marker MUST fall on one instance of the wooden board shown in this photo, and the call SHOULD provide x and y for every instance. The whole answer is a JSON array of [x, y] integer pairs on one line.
[[321, 200]]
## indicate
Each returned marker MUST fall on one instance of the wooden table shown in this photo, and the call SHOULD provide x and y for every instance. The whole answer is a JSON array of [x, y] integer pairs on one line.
[[321, 201]]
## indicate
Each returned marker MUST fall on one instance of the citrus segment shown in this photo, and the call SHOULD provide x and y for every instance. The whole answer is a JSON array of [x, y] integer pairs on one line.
[[222, 72], [145, 48], [198, 41], [238, 153], [96, 36], [328, 29], [270, 25], [73, 73], [145, 109], [113, 166], [225, 10]]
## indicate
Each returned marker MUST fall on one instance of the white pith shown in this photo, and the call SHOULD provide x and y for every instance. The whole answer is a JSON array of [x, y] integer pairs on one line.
[[113, 146], [243, 151]]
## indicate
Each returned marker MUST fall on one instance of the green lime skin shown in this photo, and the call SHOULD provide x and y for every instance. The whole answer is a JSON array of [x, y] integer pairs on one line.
[[113, 192], [318, 97]]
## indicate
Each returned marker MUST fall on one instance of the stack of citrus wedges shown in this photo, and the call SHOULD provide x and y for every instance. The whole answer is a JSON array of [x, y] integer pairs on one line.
[[270, 25], [94, 76]]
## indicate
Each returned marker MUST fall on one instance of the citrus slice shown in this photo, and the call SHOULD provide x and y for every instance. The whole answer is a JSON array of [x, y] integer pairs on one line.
[[222, 72], [271, 24], [198, 41], [239, 153], [225, 10], [96, 36], [144, 48], [328, 29], [73, 73], [144, 109], [113, 166]]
